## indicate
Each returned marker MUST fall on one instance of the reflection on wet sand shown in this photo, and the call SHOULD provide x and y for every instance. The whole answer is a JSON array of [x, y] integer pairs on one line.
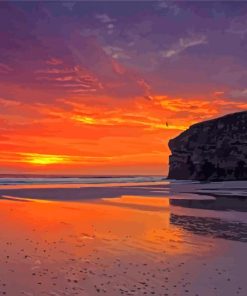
[[61, 248], [133, 243]]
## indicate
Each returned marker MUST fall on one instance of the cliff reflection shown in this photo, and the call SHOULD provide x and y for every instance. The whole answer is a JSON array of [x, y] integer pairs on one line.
[[214, 227], [220, 203], [218, 226]]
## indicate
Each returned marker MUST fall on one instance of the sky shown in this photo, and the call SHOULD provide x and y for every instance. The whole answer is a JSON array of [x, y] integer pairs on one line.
[[101, 87]]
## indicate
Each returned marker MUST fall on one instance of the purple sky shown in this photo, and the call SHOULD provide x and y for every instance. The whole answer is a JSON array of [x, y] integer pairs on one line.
[[128, 65]]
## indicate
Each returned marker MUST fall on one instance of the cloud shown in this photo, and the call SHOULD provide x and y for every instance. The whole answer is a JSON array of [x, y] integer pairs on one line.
[[238, 94], [75, 79], [9, 103], [116, 52], [107, 21], [238, 26], [198, 109], [183, 44], [69, 5], [117, 117], [146, 88], [218, 93], [54, 61], [168, 5], [104, 18]]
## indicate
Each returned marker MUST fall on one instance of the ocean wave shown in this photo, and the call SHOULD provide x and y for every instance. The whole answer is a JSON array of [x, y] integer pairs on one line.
[[78, 180]]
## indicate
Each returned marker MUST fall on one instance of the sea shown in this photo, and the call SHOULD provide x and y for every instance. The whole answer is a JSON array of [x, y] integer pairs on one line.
[[31, 179]]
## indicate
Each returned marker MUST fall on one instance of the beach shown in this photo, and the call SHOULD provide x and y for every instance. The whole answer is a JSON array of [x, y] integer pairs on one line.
[[122, 239]]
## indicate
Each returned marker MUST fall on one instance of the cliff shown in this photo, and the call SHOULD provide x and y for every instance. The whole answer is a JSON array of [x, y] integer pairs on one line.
[[211, 150]]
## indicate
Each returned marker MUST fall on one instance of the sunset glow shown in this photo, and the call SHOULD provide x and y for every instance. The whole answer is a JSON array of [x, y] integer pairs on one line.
[[39, 159], [101, 91]]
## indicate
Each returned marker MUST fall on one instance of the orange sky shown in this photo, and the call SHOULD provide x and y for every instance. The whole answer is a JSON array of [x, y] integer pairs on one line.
[[101, 90], [128, 137]]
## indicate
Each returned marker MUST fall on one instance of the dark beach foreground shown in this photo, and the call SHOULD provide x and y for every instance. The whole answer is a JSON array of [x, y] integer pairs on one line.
[[168, 238]]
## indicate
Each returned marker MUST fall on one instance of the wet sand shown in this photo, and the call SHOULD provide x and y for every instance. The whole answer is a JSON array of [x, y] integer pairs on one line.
[[127, 241]]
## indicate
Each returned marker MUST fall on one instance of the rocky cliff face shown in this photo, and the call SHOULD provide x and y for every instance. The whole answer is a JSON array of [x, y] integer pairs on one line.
[[211, 150]]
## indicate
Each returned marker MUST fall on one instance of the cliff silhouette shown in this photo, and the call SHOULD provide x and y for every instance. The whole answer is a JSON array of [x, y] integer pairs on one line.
[[212, 150]]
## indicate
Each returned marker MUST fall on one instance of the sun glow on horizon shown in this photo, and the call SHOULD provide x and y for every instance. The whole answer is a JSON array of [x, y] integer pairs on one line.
[[44, 159]]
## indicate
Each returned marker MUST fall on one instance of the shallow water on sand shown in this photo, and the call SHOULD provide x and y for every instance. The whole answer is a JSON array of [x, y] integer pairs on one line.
[[128, 244]]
